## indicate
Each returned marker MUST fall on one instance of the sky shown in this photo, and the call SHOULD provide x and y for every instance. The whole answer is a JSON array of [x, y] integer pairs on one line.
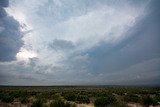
[[79, 42]]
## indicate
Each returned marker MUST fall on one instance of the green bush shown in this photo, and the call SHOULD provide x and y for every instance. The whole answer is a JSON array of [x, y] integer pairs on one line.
[[33, 93], [24, 100], [7, 99], [132, 98], [148, 100], [100, 102], [37, 103], [61, 103], [70, 97], [158, 97], [15, 94], [82, 99], [120, 104], [104, 101], [2, 95], [45, 95]]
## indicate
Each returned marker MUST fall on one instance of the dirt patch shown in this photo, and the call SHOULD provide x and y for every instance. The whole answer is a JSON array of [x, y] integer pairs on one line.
[[139, 105], [85, 105]]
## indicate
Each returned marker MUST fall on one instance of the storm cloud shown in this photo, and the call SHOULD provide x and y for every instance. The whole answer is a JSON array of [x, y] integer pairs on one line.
[[80, 43], [10, 34], [141, 46]]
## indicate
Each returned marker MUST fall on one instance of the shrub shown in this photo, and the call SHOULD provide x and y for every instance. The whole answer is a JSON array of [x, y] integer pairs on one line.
[[37, 103], [132, 98], [120, 104], [33, 93], [24, 100], [148, 100], [15, 94], [7, 99], [45, 95], [82, 99], [70, 105], [57, 103], [61, 103], [158, 97], [2, 95], [104, 101], [55, 96], [70, 97]]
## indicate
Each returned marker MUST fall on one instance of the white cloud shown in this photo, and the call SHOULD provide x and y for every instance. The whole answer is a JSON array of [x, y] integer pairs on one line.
[[24, 54], [102, 23]]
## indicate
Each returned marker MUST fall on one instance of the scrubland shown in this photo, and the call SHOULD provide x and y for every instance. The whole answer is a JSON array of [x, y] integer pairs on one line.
[[79, 96]]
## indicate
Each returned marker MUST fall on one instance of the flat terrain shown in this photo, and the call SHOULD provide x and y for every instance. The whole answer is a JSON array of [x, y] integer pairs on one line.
[[79, 96]]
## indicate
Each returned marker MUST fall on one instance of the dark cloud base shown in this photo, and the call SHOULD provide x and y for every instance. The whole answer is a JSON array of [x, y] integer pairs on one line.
[[142, 45], [10, 34]]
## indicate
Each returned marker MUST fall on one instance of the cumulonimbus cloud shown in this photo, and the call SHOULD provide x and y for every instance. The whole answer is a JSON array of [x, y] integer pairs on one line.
[[84, 42], [10, 34]]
